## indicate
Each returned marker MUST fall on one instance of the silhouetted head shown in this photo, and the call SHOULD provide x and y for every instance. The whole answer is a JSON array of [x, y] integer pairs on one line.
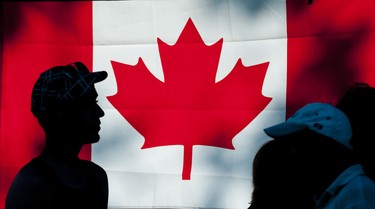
[[309, 150], [358, 103], [64, 102], [292, 170]]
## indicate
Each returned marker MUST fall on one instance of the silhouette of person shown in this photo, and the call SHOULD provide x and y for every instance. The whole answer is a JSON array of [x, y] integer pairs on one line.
[[358, 103], [64, 103], [310, 164]]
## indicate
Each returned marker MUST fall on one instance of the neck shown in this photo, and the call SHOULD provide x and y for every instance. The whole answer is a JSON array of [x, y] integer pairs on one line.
[[58, 149]]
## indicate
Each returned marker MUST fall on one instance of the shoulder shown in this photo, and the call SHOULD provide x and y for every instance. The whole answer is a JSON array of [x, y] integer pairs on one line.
[[33, 173], [363, 186], [351, 189], [29, 185], [359, 192], [357, 180]]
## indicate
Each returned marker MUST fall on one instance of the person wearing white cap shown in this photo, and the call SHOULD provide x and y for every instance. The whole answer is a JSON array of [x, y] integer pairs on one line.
[[313, 152]]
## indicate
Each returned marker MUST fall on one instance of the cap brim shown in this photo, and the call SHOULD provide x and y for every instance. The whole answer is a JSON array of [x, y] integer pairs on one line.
[[282, 129], [98, 76], [91, 77]]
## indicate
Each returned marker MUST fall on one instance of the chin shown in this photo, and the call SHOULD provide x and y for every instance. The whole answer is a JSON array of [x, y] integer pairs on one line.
[[92, 139]]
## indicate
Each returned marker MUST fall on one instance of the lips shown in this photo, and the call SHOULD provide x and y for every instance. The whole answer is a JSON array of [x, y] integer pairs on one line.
[[97, 127], [94, 127]]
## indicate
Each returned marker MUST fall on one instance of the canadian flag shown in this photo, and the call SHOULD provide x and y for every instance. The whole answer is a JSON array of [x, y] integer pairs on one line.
[[191, 85]]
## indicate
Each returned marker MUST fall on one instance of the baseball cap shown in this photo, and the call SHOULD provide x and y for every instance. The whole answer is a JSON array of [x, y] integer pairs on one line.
[[62, 83], [322, 118]]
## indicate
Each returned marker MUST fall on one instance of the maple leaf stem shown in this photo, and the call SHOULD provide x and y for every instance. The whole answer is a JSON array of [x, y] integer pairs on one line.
[[188, 158]]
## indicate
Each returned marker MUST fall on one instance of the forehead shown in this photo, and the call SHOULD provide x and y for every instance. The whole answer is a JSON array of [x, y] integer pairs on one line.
[[86, 100], [90, 94]]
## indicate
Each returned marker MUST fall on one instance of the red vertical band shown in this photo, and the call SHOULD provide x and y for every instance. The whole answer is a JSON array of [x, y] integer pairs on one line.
[[36, 36]]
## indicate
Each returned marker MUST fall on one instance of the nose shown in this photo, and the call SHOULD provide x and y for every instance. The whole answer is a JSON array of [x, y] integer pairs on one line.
[[99, 111]]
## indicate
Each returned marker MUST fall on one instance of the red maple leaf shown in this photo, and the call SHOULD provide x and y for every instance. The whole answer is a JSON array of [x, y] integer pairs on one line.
[[189, 108]]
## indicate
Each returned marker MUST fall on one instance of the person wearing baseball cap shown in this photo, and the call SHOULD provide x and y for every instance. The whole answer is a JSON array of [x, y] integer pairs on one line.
[[64, 101], [310, 163]]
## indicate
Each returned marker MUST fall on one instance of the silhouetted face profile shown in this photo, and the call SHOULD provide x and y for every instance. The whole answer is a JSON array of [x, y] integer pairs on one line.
[[64, 100], [81, 119]]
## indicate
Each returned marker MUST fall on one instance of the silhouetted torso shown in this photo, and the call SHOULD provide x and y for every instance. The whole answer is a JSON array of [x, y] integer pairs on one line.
[[60, 194]]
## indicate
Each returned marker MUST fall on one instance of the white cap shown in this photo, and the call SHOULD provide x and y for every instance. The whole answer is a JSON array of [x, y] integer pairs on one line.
[[322, 118]]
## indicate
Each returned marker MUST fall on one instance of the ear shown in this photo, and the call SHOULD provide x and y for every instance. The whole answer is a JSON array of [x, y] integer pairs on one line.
[[51, 119]]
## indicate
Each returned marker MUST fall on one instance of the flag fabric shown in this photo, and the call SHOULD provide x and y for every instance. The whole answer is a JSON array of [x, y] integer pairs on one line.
[[191, 85]]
